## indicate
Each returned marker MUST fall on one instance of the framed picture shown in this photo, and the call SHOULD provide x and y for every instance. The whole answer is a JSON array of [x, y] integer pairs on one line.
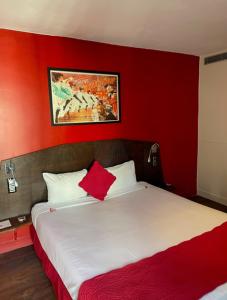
[[83, 97]]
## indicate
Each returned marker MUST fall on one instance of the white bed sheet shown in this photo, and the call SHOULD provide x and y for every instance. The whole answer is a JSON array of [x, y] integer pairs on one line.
[[94, 237]]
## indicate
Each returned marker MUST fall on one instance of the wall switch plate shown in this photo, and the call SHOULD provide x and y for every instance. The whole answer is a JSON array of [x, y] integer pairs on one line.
[[11, 185]]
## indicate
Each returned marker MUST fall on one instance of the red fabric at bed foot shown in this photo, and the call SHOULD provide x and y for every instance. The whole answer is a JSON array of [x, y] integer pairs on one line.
[[186, 271], [59, 287]]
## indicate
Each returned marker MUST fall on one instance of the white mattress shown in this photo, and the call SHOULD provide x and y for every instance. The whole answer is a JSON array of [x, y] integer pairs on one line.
[[94, 237]]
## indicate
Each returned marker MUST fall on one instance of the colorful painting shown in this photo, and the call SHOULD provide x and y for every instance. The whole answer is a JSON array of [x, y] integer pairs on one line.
[[83, 97]]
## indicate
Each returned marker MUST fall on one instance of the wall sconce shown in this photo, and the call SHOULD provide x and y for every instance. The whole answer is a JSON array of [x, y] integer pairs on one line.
[[153, 155], [11, 180]]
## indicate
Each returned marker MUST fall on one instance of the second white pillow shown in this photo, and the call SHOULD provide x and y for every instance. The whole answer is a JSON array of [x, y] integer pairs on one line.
[[125, 176]]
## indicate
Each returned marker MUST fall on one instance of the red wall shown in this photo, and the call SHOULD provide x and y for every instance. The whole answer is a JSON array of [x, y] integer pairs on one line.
[[159, 99]]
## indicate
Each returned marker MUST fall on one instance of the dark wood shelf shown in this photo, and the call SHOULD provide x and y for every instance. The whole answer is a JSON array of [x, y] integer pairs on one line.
[[15, 223]]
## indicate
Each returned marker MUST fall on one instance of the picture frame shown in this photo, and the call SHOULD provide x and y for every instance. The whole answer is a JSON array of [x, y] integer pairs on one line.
[[80, 97]]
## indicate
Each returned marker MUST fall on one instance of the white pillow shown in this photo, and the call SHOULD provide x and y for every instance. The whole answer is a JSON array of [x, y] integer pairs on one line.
[[64, 187], [125, 176]]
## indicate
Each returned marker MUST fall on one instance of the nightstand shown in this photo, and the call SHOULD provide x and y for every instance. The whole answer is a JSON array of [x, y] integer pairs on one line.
[[16, 236], [169, 187]]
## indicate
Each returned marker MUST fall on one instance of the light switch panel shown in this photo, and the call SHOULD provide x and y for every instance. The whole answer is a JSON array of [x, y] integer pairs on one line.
[[11, 185]]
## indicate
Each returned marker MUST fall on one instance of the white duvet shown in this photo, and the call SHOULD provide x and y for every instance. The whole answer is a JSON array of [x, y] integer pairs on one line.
[[92, 237]]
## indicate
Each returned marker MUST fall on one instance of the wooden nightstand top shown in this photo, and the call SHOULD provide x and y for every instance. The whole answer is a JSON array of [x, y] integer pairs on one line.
[[15, 223]]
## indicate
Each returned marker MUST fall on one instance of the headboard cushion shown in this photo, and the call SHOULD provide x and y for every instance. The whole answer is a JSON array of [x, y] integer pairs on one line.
[[67, 158]]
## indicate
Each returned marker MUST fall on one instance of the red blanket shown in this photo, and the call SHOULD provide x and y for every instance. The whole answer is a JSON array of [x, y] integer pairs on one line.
[[186, 272]]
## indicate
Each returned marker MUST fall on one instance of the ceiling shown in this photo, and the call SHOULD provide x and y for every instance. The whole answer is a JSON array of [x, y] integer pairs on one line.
[[188, 26]]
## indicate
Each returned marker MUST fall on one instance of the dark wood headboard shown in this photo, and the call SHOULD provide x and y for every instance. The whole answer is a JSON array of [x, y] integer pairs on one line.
[[67, 158]]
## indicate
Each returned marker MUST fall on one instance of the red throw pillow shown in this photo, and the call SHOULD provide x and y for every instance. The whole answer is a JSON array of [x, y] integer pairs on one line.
[[97, 181]]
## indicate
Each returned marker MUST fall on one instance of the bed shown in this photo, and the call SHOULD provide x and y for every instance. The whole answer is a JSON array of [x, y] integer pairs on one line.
[[92, 238], [84, 244]]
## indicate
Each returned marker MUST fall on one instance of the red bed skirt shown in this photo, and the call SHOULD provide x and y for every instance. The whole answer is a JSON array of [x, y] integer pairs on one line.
[[59, 287]]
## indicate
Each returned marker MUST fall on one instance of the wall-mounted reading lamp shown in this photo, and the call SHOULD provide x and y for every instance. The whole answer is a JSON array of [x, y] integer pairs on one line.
[[153, 155], [11, 180]]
